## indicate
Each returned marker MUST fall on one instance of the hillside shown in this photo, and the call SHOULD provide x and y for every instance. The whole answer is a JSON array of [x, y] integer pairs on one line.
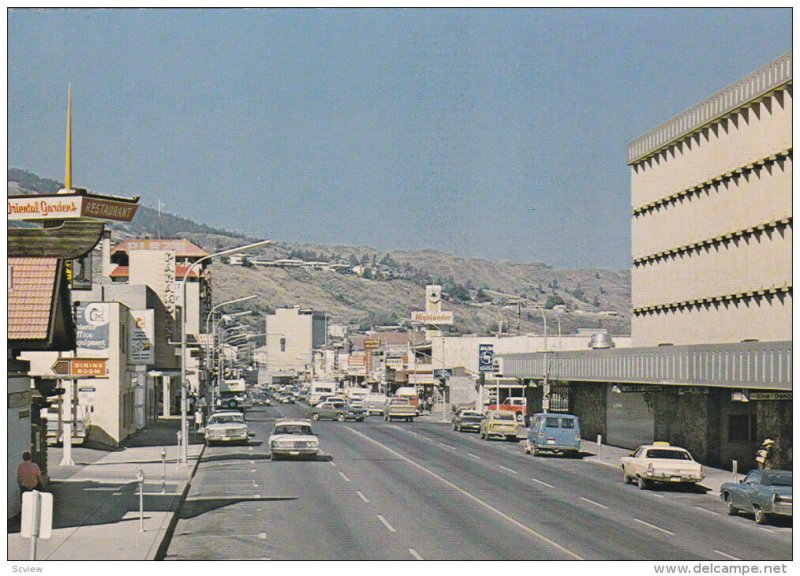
[[392, 285]]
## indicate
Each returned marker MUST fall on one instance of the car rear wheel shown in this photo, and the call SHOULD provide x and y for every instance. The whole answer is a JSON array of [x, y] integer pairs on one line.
[[315, 416], [536, 450], [520, 417], [641, 483], [340, 417], [729, 507], [761, 516]]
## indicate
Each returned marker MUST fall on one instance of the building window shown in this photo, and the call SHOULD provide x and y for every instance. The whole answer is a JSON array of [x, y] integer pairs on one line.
[[283, 344], [742, 428]]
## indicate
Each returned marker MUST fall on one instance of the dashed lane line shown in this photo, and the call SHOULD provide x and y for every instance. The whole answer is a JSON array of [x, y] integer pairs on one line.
[[508, 469], [706, 510], [473, 455], [728, 556], [360, 495], [389, 527], [447, 446], [343, 475], [415, 554], [474, 498], [603, 506], [653, 526], [542, 482]]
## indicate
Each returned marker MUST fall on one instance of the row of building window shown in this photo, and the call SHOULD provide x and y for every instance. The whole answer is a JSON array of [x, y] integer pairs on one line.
[[755, 232], [726, 300], [733, 176]]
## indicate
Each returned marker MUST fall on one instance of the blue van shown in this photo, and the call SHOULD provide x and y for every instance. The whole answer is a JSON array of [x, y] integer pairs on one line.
[[554, 433]]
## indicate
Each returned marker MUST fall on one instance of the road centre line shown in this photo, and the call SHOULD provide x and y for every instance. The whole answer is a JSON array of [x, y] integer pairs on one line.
[[595, 503], [473, 455], [360, 495], [474, 498], [542, 483], [447, 445], [342, 474], [721, 553], [507, 469], [385, 523], [415, 554], [654, 527]]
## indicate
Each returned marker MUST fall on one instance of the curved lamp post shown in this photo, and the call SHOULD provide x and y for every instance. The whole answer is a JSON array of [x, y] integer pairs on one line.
[[184, 426]]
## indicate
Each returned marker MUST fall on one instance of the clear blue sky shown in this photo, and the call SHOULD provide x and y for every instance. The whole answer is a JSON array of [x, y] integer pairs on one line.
[[498, 134]]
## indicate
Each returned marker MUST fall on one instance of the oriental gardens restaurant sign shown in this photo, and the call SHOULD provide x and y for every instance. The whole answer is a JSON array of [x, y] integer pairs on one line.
[[70, 206]]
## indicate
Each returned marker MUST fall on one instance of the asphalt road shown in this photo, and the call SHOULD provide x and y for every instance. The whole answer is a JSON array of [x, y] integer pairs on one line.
[[405, 491]]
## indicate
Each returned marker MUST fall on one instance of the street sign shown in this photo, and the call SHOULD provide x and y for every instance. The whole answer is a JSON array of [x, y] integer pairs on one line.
[[485, 357], [81, 367], [37, 515], [442, 372], [372, 344]]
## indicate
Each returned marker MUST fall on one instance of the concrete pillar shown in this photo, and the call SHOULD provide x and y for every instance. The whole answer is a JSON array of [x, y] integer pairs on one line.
[[166, 392], [106, 252]]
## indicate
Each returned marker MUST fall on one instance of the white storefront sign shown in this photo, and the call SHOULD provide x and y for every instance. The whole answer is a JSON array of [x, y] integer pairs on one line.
[[141, 336]]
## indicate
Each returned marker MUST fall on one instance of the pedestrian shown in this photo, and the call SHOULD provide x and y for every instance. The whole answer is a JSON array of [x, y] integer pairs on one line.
[[764, 454], [198, 419], [29, 475], [429, 404]]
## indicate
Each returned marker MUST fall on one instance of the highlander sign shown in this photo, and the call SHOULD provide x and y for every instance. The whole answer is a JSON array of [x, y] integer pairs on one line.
[[67, 206], [432, 317]]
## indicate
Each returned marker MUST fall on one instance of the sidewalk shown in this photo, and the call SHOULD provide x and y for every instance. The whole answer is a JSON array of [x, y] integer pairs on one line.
[[96, 501]]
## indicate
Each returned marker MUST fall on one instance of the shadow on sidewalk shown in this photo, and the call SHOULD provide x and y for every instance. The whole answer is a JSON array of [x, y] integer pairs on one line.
[[91, 503], [197, 506]]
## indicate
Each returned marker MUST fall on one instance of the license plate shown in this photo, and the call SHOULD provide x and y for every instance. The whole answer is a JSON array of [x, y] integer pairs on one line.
[[550, 442], [294, 453], [676, 478]]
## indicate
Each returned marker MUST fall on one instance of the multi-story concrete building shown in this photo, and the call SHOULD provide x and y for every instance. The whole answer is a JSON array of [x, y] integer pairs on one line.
[[710, 366], [292, 334], [712, 218]]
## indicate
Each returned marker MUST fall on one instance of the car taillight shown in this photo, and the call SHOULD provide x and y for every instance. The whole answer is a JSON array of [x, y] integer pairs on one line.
[[577, 437]]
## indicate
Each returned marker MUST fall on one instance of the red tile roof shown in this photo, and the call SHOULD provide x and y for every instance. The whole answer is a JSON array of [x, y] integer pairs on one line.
[[31, 297], [183, 248]]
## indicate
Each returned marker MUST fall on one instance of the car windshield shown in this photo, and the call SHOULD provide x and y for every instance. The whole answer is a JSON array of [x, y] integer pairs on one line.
[[472, 415], [662, 453], [292, 429], [227, 419], [399, 401], [507, 416], [777, 479]]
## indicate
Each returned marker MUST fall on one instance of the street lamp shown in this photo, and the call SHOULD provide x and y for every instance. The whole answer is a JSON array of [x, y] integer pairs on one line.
[[184, 425], [209, 347]]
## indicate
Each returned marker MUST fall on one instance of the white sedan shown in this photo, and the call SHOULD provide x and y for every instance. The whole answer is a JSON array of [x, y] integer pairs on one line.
[[226, 427], [660, 462], [293, 438]]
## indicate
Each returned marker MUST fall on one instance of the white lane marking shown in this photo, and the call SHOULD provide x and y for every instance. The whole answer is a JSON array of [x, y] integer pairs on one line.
[[360, 495], [542, 483], [251, 448], [654, 527], [472, 497], [656, 495], [507, 469], [332, 463], [252, 462], [721, 553], [595, 503], [706, 510], [104, 489], [342, 474], [385, 523], [252, 471], [262, 535], [116, 493], [766, 530], [257, 496], [415, 554], [473, 455], [447, 445]]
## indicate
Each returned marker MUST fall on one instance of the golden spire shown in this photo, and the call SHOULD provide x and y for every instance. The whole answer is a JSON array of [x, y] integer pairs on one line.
[[68, 160]]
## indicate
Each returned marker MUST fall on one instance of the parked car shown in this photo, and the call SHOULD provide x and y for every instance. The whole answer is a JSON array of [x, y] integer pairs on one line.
[[765, 493], [284, 398], [517, 405], [337, 411], [660, 462], [399, 408], [499, 423], [226, 427], [468, 420], [292, 438], [556, 433]]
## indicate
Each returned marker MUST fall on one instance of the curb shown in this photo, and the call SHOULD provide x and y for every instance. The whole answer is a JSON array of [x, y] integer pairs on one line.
[[161, 551]]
